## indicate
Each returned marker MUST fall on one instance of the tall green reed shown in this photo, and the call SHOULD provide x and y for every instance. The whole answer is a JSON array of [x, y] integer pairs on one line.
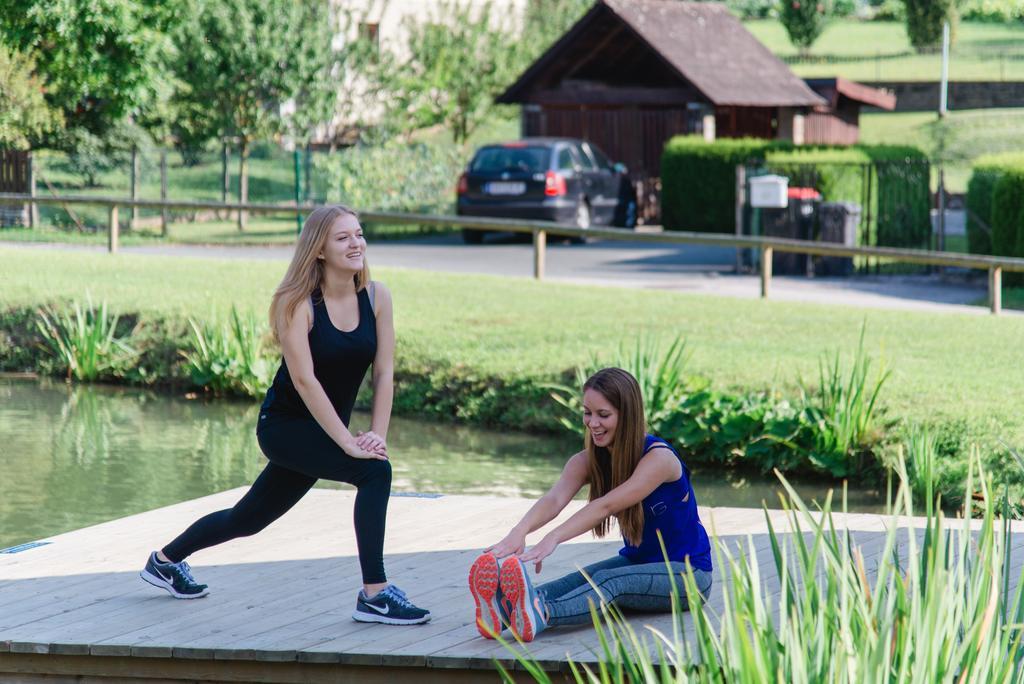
[[848, 402], [659, 368], [229, 357], [84, 340], [939, 606]]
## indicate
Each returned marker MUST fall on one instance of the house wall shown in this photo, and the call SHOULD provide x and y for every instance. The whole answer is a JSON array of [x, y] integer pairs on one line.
[[840, 126]]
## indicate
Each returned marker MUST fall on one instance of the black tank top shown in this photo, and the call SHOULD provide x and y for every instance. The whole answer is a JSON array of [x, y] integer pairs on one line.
[[340, 361]]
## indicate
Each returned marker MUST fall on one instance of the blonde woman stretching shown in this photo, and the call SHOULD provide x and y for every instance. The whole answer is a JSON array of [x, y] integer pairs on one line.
[[332, 323]]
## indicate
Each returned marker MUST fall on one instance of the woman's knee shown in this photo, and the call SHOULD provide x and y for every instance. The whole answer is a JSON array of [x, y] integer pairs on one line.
[[376, 473]]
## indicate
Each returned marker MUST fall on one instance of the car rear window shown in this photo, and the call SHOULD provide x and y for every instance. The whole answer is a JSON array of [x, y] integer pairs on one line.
[[532, 159]]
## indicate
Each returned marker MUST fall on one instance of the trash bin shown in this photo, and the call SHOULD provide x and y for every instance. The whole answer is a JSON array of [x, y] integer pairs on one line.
[[796, 222], [837, 222]]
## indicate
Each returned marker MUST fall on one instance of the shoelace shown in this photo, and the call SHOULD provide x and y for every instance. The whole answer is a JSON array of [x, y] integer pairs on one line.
[[399, 596], [186, 571]]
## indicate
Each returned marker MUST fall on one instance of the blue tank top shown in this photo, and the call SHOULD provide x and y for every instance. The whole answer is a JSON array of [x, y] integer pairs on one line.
[[672, 509], [340, 361]]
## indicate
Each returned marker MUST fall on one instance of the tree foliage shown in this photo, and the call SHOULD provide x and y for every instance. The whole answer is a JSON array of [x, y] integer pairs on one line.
[[253, 69], [102, 60], [804, 20], [925, 19], [24, 112]]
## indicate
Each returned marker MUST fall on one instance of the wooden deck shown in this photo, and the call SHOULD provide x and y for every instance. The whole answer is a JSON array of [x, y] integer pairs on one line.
[[281, 601]]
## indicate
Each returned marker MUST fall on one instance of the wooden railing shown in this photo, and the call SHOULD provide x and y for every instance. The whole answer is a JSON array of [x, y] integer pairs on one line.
[[767, 246]]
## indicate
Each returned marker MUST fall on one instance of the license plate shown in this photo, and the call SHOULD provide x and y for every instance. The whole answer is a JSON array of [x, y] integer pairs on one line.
[[505, 188]]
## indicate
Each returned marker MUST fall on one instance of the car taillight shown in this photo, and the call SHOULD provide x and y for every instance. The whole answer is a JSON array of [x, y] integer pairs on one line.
[[463, 186], [554, 184]]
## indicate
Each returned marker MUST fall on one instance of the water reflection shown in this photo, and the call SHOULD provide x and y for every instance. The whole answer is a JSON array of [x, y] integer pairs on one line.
[[73, 455]]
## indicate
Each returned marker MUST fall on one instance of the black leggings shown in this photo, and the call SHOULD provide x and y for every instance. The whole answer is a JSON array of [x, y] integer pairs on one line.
[[300, 453]]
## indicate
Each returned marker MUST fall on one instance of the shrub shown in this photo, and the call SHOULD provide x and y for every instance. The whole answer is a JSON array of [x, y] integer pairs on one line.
[[698, 181], [804, 20], [985, 173], [925, 19], [1008, 218], [229, 358], [996, 11], [394, 176], [85, 341]]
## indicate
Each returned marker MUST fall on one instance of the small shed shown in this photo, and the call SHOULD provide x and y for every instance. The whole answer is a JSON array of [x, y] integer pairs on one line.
[[838, 121], [630, 74]]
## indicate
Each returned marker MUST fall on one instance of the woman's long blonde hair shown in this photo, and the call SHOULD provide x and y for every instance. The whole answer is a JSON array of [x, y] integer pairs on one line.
[[306, 271], [607, 468]]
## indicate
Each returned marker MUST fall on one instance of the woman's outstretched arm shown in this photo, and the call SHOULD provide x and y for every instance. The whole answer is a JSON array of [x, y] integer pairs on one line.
[[572, 479], [658, 466]]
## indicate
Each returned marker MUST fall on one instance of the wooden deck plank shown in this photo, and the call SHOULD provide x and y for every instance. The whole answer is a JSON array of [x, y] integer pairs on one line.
[[286, 595]]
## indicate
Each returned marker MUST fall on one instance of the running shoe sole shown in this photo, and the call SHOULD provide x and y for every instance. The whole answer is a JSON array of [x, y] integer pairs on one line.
[[360, 616], [483, 585], [514, 588], [161, 583]]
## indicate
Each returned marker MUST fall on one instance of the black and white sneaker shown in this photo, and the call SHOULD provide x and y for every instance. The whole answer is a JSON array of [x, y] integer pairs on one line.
[[176, 578], [390, 606]]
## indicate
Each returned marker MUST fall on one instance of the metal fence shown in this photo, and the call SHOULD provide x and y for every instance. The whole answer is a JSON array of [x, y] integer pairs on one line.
[[766, 246]]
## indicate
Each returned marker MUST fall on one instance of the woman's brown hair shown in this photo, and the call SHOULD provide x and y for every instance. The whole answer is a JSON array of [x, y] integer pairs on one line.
[[608, 467], [306, 271]]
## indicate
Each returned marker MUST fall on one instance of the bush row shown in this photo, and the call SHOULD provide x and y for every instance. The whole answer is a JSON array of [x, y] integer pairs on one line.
[[994, 220], [699, 183]]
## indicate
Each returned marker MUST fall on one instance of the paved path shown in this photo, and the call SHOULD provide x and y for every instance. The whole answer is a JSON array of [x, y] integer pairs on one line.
[[680, 268]]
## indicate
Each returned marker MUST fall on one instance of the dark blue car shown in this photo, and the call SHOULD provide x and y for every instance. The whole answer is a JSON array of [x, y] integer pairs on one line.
[[546, 179]]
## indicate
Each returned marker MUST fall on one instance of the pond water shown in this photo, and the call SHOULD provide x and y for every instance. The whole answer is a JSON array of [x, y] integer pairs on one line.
[[76, 455]]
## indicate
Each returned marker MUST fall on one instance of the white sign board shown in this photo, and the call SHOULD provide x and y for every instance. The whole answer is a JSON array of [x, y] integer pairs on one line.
[[769, 192]]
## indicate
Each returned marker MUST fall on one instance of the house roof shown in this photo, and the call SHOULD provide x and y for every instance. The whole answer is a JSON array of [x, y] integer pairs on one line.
[[700, 42], [832, 88]]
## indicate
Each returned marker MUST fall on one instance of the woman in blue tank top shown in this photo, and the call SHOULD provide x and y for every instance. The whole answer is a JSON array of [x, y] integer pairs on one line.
[[333, 323], [635, 477]]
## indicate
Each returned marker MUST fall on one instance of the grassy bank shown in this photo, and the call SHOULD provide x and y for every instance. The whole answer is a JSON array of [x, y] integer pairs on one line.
[[479, 348]]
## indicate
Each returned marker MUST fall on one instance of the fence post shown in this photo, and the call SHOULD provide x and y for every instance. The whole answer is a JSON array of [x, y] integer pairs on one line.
[[540, 242], [225, 178], [995, 289], [112, 230], [766, 271], [33, 208], [134, 216], [163, 192], [741, 201]]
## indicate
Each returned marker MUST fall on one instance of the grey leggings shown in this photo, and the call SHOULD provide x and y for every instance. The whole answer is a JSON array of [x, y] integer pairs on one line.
[[635, 586]]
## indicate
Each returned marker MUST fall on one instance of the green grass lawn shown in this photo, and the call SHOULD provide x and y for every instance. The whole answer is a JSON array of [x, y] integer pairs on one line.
[[946, 367], [981, 51], [260, 231]]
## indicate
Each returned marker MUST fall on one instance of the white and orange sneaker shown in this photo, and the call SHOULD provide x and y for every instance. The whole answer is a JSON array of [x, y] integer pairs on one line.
[[486, 591], [527, 618]]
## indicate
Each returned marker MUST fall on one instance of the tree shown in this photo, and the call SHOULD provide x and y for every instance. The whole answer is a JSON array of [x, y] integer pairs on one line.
[[102, 60], [24, 113], [240, 61], [804, 20], [454, 64], [925, 19]]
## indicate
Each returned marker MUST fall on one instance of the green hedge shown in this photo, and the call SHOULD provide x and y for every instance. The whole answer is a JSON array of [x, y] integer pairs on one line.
[[900, 199], [698, 181], [1008, 219], [985, 173]]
